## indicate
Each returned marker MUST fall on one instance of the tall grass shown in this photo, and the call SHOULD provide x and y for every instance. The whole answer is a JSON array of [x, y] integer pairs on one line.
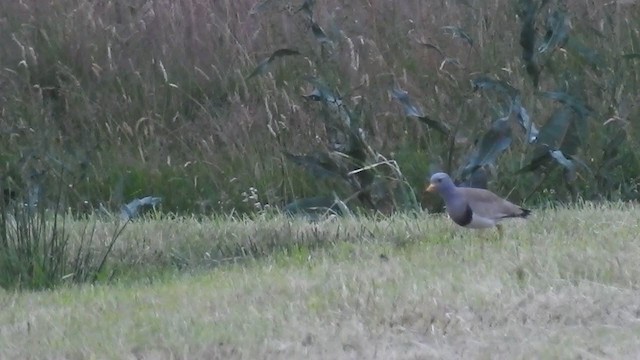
[[138, 97], [38, 250]]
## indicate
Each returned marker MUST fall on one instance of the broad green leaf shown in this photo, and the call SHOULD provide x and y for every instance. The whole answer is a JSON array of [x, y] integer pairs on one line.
[[435, 124], [576, 104], [570, 129], [477, 179], [528, 40], [508, 93], [132, 209], [541, 157], [524, 120], [484, 82], [555, 132], [569, 166], [544, 155], [496, 140], [560, 135], [512, 97], [403, 97], [359, 149], [411, 110], [322, 92]]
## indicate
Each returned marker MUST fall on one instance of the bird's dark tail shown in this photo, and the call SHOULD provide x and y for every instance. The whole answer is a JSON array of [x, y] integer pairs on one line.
[[525, 213]]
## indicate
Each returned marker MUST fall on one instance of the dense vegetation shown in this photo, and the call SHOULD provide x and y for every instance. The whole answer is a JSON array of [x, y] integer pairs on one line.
[[121, 99], [224, 110]]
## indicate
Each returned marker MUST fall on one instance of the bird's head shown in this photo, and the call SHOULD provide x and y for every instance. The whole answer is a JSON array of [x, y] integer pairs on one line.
[[440, 182]]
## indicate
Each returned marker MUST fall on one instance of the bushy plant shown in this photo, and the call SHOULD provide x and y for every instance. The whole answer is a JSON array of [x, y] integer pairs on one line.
[[36, 251], [144, 97]]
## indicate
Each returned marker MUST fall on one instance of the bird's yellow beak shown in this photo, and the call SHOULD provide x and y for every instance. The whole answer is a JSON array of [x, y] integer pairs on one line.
[[431, 188]]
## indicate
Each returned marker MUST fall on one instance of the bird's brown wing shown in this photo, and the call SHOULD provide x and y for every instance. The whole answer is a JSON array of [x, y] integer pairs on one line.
[[489, 205]]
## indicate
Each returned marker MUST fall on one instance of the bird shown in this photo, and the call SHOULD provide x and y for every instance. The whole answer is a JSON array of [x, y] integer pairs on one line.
[[474, 208]]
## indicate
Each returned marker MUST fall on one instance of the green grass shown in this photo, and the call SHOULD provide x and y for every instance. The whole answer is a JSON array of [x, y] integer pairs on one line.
[[142, 97], [562, 285]]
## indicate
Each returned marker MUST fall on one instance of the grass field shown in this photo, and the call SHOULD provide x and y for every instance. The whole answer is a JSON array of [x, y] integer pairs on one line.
[[564, 284]]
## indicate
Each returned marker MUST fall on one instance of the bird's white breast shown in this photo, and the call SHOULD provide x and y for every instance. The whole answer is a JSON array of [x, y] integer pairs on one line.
[[479, 222]]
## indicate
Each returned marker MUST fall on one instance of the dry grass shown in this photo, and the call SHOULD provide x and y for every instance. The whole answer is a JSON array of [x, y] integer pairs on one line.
[[150, 97], [563, 285]]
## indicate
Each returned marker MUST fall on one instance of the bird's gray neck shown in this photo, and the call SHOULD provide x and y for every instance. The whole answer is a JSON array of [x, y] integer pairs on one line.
[[448, 193]]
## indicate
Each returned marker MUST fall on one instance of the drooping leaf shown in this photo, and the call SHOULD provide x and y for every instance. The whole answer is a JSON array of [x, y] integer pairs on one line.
[[555, 133], [449, 60], [457, 32], [528, 40], [319, 165], [411, 110], [307, 9], [314, 207], [435, 124], [322, 92], [341, 205], [576, 104], [359, 148], [342, 135], [559, 133], [432, 47], [132, 209], [568, 165], [541, 157], [403, 97], [525, 121], [557, 25], [484, 82], [477, 179], [510, 95], [496, 140], [264, 64], [590, 56], [319, 34]]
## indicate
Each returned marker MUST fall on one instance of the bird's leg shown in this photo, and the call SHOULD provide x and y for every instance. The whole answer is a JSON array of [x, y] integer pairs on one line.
[[500, 231]]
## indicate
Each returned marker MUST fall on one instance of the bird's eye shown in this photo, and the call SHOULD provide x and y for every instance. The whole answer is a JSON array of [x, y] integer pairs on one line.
[[439, 180]]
